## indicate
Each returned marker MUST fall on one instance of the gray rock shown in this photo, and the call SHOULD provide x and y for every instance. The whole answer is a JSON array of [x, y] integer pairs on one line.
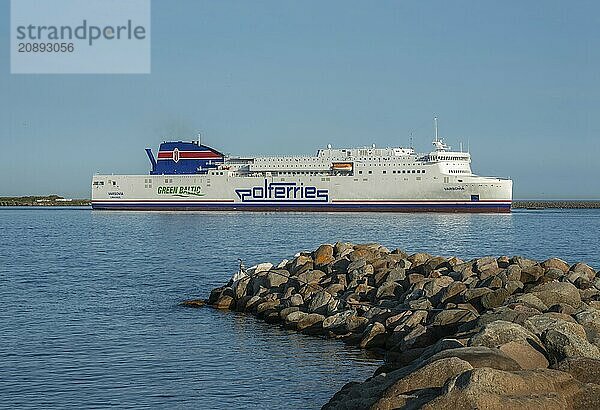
[[531, 274], [356, 324], [528, 299], [396, 274], [311, 276], [296, 300], [338, 323], [320, 301], [266, 306], [292, 319], [283, 314], [513, 272], [434, 375], [590, 320], [486, 263], [276, 278], [389, 290]]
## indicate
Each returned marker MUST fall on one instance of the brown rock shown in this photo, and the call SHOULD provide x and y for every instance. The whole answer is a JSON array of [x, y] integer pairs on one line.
[[496, 389], [225, 302], [524, 354], [584, 269], [500, 332], [323, 255], [552, 293], [194, 303], [495, 298], [310, 323], [479, 356], [471, 294], [584, 369], [433, 375], [555, 263]]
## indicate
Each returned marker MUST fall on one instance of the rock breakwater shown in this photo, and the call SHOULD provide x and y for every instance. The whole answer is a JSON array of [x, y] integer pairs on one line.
[[492, 332]]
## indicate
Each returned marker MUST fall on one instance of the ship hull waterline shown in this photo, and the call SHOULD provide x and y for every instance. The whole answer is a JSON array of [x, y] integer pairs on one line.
[[475, 207]]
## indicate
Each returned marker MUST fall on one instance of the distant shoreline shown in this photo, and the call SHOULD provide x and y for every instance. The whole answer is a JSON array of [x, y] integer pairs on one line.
[[558, 204], [58, 201], [43, 201]]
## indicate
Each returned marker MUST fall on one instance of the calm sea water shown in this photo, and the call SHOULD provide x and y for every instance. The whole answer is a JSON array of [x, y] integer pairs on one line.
[[89, 313]]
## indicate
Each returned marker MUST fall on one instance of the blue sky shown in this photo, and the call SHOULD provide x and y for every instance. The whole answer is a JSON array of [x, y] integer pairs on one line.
[[518, 80]]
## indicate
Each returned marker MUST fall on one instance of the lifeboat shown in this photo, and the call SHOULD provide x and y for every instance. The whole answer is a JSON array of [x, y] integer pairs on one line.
[[342, 166]]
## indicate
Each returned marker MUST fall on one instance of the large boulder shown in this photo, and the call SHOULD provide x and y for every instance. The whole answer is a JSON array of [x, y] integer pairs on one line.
[[434, 375], [524, 354], [552, 293], [500, 332], [483, 388]]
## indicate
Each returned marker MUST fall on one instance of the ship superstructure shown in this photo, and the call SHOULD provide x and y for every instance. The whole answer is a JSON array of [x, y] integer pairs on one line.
[[193, 176]]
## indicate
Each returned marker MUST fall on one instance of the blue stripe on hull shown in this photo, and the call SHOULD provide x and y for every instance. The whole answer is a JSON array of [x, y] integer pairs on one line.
[[336, 207]]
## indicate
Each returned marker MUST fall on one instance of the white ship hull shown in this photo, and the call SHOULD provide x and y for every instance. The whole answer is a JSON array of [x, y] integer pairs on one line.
[[336, 193]]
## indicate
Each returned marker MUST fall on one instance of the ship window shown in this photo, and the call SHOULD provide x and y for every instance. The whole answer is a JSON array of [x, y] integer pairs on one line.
[[423, 171], [370, 172], [384, 171], [360, 172], [166, 180], [413, 171], [404, 171]]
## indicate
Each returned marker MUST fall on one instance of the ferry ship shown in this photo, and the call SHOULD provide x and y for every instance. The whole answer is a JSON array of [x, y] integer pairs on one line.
[[192, 176]]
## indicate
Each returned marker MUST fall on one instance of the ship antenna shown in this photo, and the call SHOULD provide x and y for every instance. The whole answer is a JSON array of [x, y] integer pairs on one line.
[[411, 140], [199, 138], [436, 128]]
